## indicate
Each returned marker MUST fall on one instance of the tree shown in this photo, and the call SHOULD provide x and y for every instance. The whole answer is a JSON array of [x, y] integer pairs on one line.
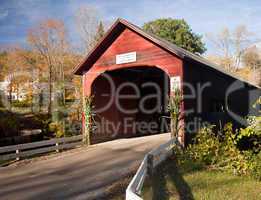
[[252, 59], [14, 73], [87, 20], [177, 32], [241, 42], [3, 64], [231, 46], [49, 40], [222, 42], [30, 60], [100, 33]]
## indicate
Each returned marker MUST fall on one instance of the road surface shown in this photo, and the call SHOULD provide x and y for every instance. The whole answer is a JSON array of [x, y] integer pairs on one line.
[[83, 173]]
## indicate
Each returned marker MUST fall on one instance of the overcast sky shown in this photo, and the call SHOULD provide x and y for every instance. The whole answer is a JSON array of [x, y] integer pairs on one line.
[[204, 16]]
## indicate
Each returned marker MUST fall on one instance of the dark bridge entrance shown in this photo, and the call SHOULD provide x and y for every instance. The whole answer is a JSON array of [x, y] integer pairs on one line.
[[130, 102]]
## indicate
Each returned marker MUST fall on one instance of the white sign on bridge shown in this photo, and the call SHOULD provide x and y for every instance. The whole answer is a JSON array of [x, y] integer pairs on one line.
[[175, 83], [126, 58]]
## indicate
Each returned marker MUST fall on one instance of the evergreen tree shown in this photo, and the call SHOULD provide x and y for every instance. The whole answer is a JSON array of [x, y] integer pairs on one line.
[[178, 32]]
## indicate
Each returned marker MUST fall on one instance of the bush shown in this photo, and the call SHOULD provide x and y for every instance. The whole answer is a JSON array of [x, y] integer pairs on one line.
[[21, 104], [1, 103], [206, 146], [256, 166], [250, 137], [9, 125], [57, 128], [220, 151]]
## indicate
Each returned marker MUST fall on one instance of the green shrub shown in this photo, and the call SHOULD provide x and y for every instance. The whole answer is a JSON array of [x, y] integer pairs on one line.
[[250, 137], [256, 166], [21, 104], [206, 146], [221, 152], [1, 103], [185, 160], [88, 118], [174, 108], [57, 128], [9, 124]]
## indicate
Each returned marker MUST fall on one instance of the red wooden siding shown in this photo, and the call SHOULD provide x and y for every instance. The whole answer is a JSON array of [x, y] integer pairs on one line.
[[148, 54]]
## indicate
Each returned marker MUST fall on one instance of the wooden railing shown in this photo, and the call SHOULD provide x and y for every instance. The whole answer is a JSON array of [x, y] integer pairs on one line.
[[31, 149], [150, 161]]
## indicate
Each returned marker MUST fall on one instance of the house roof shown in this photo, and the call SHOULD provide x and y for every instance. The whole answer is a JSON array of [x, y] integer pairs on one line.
[[121, 24]]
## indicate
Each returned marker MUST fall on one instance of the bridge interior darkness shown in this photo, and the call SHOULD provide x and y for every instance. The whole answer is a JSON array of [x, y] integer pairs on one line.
[[130, 102]]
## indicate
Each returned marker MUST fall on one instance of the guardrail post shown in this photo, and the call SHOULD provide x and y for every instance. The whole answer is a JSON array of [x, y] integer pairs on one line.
[[150, 165], [57, 147], [17, 154]]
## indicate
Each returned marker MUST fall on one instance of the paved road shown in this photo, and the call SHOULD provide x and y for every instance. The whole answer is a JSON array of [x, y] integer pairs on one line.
[[78, 174]]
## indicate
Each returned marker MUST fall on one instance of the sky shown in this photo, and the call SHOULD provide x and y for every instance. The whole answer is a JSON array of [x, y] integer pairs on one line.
[[204, 16]]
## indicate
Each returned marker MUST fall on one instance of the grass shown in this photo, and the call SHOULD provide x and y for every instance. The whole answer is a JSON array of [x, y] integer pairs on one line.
[[191, 181]]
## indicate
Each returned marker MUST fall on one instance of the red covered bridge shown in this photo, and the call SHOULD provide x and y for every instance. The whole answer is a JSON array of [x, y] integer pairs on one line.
[[131, 73]]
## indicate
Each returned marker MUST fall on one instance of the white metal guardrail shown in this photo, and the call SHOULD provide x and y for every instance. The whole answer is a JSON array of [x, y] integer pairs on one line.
[[30, 149], [151, 160]]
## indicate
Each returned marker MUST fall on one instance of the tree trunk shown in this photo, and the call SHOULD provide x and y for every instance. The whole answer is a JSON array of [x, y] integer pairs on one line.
[[10, 97], [50, 91], [32, 90]]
